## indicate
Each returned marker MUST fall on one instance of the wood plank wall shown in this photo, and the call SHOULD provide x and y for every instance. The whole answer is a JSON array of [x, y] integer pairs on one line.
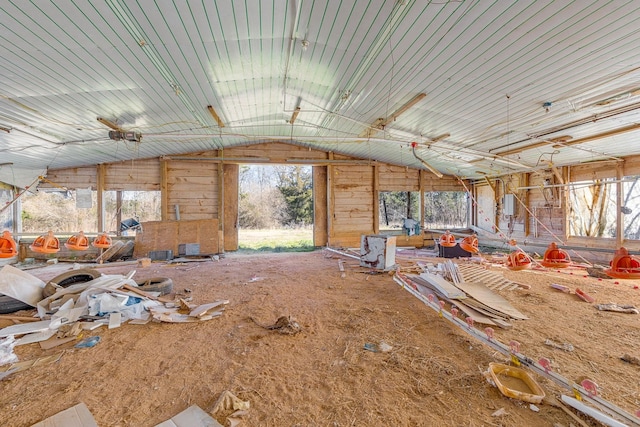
[[193, 187], [352, 195]]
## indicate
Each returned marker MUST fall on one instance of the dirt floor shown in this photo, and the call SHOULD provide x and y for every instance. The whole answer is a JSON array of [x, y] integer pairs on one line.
[[141, 375]]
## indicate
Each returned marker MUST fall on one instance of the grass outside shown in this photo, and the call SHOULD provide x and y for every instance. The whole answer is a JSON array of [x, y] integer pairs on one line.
[[276, 240]]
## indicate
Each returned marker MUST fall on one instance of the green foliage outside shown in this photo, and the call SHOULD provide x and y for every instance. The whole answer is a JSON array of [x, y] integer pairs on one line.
[[296, 186], [446, 209], [395, 206], [275, 197]]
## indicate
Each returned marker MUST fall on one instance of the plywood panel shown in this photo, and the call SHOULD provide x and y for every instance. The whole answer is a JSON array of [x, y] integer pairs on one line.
[[71, 178], [133, 175], [167, 235], [398, 178], [485, 207], [446, 183], [353, 203], [590, 172], [277, 152], [193, 186]]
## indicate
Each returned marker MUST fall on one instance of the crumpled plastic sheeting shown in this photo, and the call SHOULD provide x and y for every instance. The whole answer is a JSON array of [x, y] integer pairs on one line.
[[20, 285], [6, 350]]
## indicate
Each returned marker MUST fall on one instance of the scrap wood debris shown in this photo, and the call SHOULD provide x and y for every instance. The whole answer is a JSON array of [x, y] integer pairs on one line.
[[617, 308], [284, 325], [631, 359]]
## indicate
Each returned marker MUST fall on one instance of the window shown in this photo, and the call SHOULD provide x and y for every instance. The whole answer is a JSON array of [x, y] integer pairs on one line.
[[446, 209], [396, 206], [593, 208]]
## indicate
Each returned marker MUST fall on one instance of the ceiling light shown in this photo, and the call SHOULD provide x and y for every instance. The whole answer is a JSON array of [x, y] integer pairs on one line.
[[215, 116], [109, 124]]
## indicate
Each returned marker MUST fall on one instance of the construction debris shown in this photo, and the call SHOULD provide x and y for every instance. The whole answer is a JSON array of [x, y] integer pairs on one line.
[[106, 300], [77, 416], [193, 416], [284, 325], [617, 308], [631, 359]]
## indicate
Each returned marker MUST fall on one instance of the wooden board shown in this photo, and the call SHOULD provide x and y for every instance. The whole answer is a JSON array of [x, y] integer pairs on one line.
[[167, 235], [444, 287], [491, 279], [319, 205], [491, 299]]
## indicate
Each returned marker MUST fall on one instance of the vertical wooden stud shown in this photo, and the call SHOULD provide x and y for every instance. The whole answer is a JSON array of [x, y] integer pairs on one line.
[[376, 199], [164, 193], [319, 205], [100, 190], [619, 203]]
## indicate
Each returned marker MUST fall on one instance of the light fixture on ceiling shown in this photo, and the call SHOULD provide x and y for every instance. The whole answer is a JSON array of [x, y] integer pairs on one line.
[[215, 116], [294, 116], [132, 136], [305, 44], [109, 124]]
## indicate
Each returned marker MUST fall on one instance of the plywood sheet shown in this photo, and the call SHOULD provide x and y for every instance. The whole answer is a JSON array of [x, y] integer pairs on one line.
[[167, 235], [491, 299]]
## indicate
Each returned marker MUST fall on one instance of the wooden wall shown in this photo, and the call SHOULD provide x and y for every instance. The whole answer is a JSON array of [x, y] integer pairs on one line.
[[192, 187], [352, 212], [204, 186]]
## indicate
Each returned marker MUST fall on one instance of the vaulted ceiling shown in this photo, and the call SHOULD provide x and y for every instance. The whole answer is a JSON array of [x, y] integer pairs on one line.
[[482, 88]]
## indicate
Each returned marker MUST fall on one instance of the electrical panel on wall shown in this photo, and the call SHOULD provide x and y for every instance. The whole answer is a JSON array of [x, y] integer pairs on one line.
[[509, 204]]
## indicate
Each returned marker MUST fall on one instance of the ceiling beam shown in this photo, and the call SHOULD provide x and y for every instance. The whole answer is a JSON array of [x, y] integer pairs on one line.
[[109, 124], [381, 123], [559, 143], [215, 116], [294, 116]]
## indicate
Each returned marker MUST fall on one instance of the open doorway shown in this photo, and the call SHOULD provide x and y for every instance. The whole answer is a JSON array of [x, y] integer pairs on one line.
[[275, 208]]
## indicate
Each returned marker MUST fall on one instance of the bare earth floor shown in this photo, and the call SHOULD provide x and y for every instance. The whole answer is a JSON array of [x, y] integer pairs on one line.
[[141, 375]]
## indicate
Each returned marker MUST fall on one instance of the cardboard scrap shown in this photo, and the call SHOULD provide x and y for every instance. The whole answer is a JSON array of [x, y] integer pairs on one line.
[[229, 401], [201, 310], [7, 370], [193, 416], [200, 313], [76, 416]]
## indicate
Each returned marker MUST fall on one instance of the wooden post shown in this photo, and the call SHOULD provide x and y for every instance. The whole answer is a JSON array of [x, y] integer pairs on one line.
[[619, 203], [421, 189], [118, 212], [231, 178], [331, 201], [376, 199], [221, 219], [100, 192], [319, 205], [164, 193], [564, 203], [527, 217]]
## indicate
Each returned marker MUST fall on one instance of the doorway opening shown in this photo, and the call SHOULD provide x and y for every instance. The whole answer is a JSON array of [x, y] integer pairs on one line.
[[275, 208]]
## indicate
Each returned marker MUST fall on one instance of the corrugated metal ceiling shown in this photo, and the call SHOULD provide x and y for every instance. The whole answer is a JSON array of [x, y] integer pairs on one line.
[[503, 80]]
